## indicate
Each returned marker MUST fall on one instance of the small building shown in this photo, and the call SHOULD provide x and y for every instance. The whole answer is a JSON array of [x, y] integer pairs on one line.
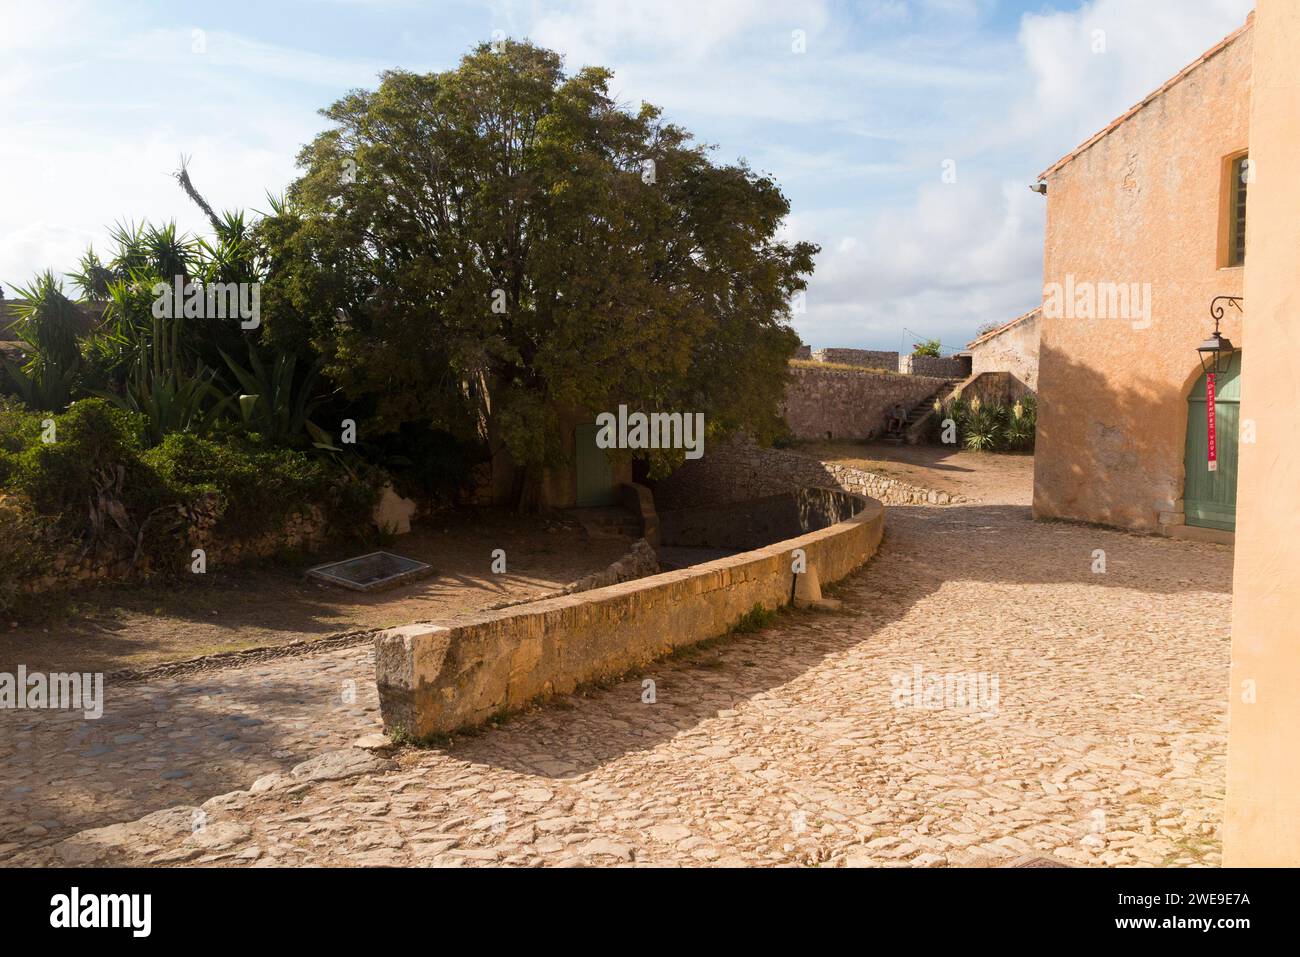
[[1145, 230], [1010, 349]]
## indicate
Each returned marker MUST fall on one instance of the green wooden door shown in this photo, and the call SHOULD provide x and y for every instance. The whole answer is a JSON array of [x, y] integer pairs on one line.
[[1210, 498], [595, 475]]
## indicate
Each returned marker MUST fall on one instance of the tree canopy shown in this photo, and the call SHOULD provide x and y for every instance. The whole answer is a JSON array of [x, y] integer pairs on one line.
[[488, 248]]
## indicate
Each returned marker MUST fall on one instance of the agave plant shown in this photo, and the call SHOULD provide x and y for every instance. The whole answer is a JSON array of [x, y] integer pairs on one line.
[[274, 403]]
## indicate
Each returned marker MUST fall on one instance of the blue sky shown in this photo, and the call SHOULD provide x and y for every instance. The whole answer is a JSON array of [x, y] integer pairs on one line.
[[98, 100]]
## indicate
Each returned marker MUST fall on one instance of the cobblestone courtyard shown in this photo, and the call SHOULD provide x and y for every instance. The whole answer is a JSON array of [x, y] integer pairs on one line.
[[1106, 745]]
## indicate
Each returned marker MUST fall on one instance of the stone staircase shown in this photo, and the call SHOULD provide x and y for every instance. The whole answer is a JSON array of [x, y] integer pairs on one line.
[[917, 415]]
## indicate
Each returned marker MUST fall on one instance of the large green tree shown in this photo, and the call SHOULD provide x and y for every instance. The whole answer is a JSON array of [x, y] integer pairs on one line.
[[485, 248]]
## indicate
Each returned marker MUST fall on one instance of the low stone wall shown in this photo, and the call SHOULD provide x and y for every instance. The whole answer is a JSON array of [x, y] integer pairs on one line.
[[943, 367], [739, 471], [756, 523], [436, 678], [640, 562], [847, 404], [304, 530], [866, 358]]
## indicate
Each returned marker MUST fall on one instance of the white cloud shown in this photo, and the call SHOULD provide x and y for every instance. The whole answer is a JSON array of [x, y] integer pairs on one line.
[[1077, 91], [954, 256]]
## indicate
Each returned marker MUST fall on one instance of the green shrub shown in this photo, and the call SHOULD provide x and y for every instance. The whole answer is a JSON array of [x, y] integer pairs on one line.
[[258, 488], [982, 430], [94, 489], [756, 619], [95, 445]]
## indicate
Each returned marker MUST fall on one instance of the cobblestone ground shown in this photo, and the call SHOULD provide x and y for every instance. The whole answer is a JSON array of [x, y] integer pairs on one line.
[[1105, 744]]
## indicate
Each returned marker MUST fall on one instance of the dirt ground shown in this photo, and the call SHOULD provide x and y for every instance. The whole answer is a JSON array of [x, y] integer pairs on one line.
[[111, 628], [984, 476]]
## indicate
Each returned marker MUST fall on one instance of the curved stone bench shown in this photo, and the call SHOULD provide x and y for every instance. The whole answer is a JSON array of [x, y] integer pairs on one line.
[[439, 677]]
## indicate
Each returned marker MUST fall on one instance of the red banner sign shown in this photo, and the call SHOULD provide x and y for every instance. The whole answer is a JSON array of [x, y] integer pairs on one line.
[[1209, 422]]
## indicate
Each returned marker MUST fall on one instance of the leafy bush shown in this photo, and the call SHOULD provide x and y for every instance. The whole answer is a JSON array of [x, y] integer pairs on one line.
[[96, 488], [256, 488], [930, 347], [94, 445]]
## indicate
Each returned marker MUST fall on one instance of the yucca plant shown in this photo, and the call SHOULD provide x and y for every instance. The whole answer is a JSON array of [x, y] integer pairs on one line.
[[174, 392], [93, 277], [1021, 426], [982, 432], [47, 324]]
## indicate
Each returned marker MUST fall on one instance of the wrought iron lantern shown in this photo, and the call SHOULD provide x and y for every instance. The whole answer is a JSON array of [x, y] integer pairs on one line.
[[1216, 351]]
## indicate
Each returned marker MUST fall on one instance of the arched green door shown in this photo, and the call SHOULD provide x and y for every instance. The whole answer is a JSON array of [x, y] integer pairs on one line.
[[1210, 498]]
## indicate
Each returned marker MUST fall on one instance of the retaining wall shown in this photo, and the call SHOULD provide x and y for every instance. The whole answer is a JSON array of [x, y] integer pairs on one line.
[[944, 367], [739, 471], [436, 678], [847, 404], [867, 358]]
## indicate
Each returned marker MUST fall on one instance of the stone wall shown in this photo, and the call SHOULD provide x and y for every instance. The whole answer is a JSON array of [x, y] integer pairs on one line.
[[847, 404], [758, 522], [740, 471], [304, 530], [943, 367], [1014, 350], [866, 358], [436, 678], [993, 387]]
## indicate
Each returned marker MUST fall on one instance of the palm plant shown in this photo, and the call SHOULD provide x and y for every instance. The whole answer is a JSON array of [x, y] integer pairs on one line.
[[232, 257]]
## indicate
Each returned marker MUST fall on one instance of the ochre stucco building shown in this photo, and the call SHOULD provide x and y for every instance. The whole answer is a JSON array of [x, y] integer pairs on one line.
[[1141, 236], [1163, 196], [1262, 818]]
